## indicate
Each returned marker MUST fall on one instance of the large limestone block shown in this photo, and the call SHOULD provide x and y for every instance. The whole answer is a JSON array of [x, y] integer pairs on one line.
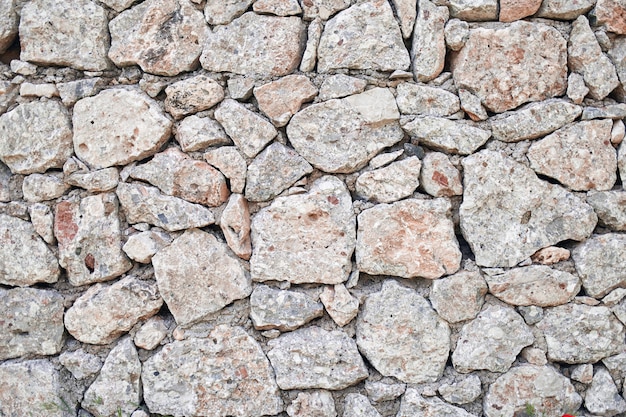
[[601, 263], [8, 24], [447, 135], [429, 46]]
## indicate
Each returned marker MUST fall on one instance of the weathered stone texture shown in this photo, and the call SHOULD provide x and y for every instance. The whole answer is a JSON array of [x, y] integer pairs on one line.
[[413, 404], [612, 14], [357, 405], [426, 101], [341, 306], [458, 297], [43, 187], [439, 177], [281, 99], [601, 263], [282, 310], [511, 10], [564, 9], [323, 8], [222, 12], [602, 398], [462, 392], [192, 95], [341, 85], [609, 206], [391, 183], [277, 7], [8, 24], [315, 403], [447, 135], [231, 163], [429, 45], [195, 133], [235, 224]]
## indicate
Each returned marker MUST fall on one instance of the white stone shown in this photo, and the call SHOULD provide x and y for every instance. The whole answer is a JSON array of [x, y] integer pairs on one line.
[[341, 306], [235, 224], [357, 405], [474, 10], [41, 187], [314, 34], [222, 12], [462, 392], [195, 133], [151, 333], [447, 135], [391, 183], [231, 163], [601, 263], [280, 309], [429, 46], [80, 363], [602, 398], [341, 85], [316, 403], [423, 100], [142, 246]]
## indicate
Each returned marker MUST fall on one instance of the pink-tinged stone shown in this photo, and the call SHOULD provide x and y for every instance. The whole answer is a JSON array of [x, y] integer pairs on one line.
[[281, 99], [323, 9], [550, 255], [511, 10], [612, 14], [192, 95], [277, 7], [235, 224], [564, 9], [407, 12], [439, 177], [429, 43]]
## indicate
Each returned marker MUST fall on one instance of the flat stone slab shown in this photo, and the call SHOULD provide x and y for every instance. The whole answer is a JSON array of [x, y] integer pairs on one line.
[[447, 135]]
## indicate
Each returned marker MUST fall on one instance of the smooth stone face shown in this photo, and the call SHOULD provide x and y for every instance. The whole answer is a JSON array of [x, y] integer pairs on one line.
[[35, 136], [192, 95], [601, 263], [198, 267], [24, 258], [341, 136], [612, 14], [602, 398], [609, 206], [429, 47], [118, 126], [439, 177], [315, 403], [163, 37], [564, 9], [220, 12], [401, 335], [462, 392], [578, 333], [410, 238], [255, 45], [49, 34], [282, 310], [474, 10], [413, 404], [505, 215], [447, 135], [512, 65], [357, 405], [198, 369], [195, 133], [281, 99], [8, 24], [32, 322], [235, 224], [423, 100], [546, 390], [391, 183], [128, 300], [315, 358], [307, 238], [458, 297], [349, 41]]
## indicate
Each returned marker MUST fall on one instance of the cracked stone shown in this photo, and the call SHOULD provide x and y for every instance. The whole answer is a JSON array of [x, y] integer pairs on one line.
[[341, 85], [462, 392], [447, 135], [221, 12], [316, 403]]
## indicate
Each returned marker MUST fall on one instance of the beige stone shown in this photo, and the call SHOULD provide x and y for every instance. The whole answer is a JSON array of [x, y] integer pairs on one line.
[[277, 7], [281, 99], [447, 135], [316, 403], [458, 297], [235, 224], [429, 45], [472, 106], [550, 255], [192, 95], [341, 306], [42, 187], [601, 263], [407, 13], [456, 33], [309, 57], [511, 10], [141, 247], [195, 133], [473, 10], [280, 309], [576, 88], [230, 162], [323, 9], [612, 14], [43, 222], [151, 333], [8, 23], [391, 183], [341, 85], [426, 101], [414, 404], [564, 9], [222, 12], [439, 177], [76, 173]]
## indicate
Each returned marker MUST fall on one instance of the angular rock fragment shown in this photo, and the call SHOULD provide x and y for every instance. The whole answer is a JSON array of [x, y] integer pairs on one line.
[[127, 301], [602, 398], [195, 133], [282, 310], [76, 173], [192, 95], [439, 177], [80, 363], [423, 100], [323, 8], [609, 206], [341, 306], [576, 88], [151, 333], [601, 263], [118, 126], [401, 335], [146, 204], [43, 222], [473, 10], [341, 85], [235, 224], [379, 391], [456, 33], [199, 369], [512, 65], [305, 238], [72, 91], [24, 258], [511, 10], [357, 405], [462, 392], [8, 24], [611, 111], [621, 162], [315, 358], [508, 213], [309, 57], [230, 162], [32, 322], [220, 12], [564, 9], [407, 12], [617, 54], [349, 41], [143, 246], [582, 373], [612, 14], [447, 135], [43, 187], [118, 5], [458, 297], [281, 99], [383, 159], [550, 255], [315, 403], [255, 45], [413, 404], [35, 136], [429, 46], [163, 37], [391, 183], [277, 7], [410, 238]]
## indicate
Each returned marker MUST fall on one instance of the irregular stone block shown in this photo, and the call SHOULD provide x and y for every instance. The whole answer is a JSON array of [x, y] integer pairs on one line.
[[413, 404], [511, 10], [341, 85], [323, 8], [195, 133], [612, 14], [429, 46], [609, 206], [576, 88], [230, 162], [473, 10], [407, 12], [151, 333], [309, 58], [391, 183], [423, 100], [282, 310], [43, 222], [447, 135], [235, 224], [118, 5], [564, 9], [277, 7], [9, 23], [602, 398], [81, 364], [456, 33], [357, 405], [220, 12], [458, 297], [316, 403], [192, 95], [43, 187], [601, 263], [143, 246], [439, 177], [341, 306], [462, 392], [281, 99], [379, 391]]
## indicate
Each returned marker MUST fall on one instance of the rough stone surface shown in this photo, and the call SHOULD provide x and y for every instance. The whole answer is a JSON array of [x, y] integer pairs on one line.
[[601, 263], [305, 238], [512, 65], [391, 235], [9, 24], [458, 297], [413, 404], [564, 9], [220, 12], [576, 88], [317, 403], [462, 392], [357, 405], [118, 5], [391, 183], [231, 163], [192, 95], [127, 301], [349, 41], [35, 137], [602, 398], [447, 135], [323, 8], [315, 358], [612, 14], [511, 10], [202, 367], [401, 335], [277, 7], [144, 245], [43, 222], [456, 34], [80, 363], [407, 12], [255, 44], [621, 162], [195, 133], [235, 224], [76, 173], [138, 34], [151, 333], [281, 99], [42, 187], [423, 100], [341, 306], [282, 310], [196, 266], [380, 391], [32, 322], [429, 45], [118, 126], [550, 255], [439, 177], [309, 57], [582, 373], [609, 206], [473, 10], [502, 195], [341, 85], [611, 111]]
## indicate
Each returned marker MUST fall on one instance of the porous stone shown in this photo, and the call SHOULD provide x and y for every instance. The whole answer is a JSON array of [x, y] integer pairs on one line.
[[615, 366], [391, 183], [582, 373], [407, 13], [508, 213], [611, 111], [401, 335], [43, 222], [349, 41], [601, 263], [413, 404], [43, 187], [142, 246], [280, 309], [379, 391], [277, 7], [72, 91], [255, 45], [316, 403], [456, 33], [357, 405], [602, 398], [315, 358], [32, 322], [220, 12], [274, 170], [612, 15], [235, 224], [90, 240], [118, 5], [240, 88], [151, 333], [458, 297], [80, 363], [118, 387], [127, 300], [586, 58], [35, 136], [8, 24], [230, 162], [323, 8], [305, 238], [473, 10], [617, 54], [512, 65], [609, 206], [146, 204], [49, 34], [192, 95], [198, 371], [341, 85], [578, 333], [536, 285], [77, 174], [24, 258], [118, 126], [341, 306], [429, 45], [391, 235], [341, 136], [446, 135], [576, 88], [195, 133], [309, 57], [423, 100], [248, 130], [564, 9], [461, 392], [541, 387], [281, 99], [439, 177], [550, 255], [163, 37]]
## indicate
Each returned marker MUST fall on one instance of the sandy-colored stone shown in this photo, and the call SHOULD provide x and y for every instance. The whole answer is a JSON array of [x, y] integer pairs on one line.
[[456, 33], [472, 106], [281, 99], [610, 111], [151, 333], [413, 404], [195, 133], [118, 5], [439, 177], [8, 24], [76, 173], [390, 183], [423, 100], [429, 45], [612, 14], [280, 309], [601, 263], [323, 9], [349, 41], [582, 373], [458, 297], [473, 10], [163, 37], [141, 247], [307, 237], [379, 391], [617, 54], [341, 306], [314, 34], [43, 222], [512, 65], [357, 405], [341, 85], [447, 135], [192, 95], [118, 126], [383, 159], [407, 12], [602, 398], [235, 224], [511, 10], [564, 9], [43, 187], [576, 88], [550, 255], [315, 403], [401, 335], [277, 7], [72, 91], [125, 302], [222, 12], [230, 162], [462, 392]]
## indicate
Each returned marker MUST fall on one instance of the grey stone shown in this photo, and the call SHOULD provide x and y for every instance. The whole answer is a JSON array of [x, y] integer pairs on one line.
[[341, 85], [423, 100], [610, 111], [314, 34], [80, 363], [316, 403], [323, 9], [472, 106], [43, 222], [610, 14], [439, 177], [277, 7], [5, 183], [341, 306], [564, 9], [621, 162], [456, 33], [429, 45], [610, 208], [240, 88], [231, 163], [42, 187], [617, 54], [72, 91], [508, 213], [379, 391], [235, 224], [357, 405], [76, 173], [413, 404], [582, 373], [602, 398], [576, 88], [32, 322], [601, 263], [447, 135], [473, 10], [315, 358], [462, 392], [407, 12], [142, 246], [151, 333], [118, 5], [195, 133], [458, 297], [9, 23], [226, 374], [282, 310], [192, 95], [391, 183], [220, 12], [401, 335], [615, 365]]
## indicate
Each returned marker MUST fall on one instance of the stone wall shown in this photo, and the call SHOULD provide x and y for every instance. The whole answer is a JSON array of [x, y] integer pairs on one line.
[[312, 208]]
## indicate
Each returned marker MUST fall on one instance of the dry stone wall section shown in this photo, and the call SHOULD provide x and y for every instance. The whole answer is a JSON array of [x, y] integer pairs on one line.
[[312, 208]]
